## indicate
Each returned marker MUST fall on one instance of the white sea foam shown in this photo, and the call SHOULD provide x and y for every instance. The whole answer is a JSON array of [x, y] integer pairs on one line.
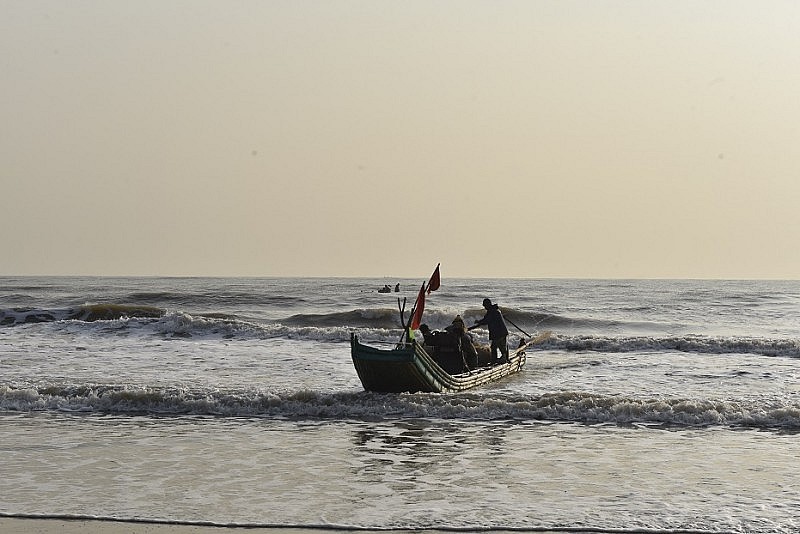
[[563, 406]]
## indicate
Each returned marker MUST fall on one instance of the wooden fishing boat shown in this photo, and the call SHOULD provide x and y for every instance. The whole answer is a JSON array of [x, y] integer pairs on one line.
[[408, 367]]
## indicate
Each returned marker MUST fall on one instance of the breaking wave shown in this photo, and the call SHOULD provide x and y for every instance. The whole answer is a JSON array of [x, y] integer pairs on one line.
[[86, 313], [354, 318], [361, 318], [787, 348], [372, 324], [302, 404]]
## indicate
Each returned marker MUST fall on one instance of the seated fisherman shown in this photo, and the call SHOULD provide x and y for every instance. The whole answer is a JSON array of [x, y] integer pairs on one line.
[[463, 341], [445, 346], [429, 338]]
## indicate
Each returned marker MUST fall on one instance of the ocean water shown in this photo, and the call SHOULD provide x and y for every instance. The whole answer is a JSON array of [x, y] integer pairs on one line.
[[655, 406]]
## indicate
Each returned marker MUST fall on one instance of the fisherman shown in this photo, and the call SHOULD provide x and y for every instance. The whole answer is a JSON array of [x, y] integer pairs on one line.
[[498, 331], [428, 337], [463, 341]]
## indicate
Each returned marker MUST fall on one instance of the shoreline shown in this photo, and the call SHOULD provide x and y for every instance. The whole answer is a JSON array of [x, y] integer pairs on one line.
[[83, 525], [31, 525]]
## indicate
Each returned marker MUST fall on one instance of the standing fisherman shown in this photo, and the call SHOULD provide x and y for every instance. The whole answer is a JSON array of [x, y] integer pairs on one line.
[[497, 330]]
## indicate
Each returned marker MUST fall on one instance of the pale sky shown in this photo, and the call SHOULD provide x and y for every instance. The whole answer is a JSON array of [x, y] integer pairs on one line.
[[591, 139]]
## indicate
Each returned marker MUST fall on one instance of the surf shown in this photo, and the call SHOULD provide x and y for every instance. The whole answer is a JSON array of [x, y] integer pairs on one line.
[[565, 406]]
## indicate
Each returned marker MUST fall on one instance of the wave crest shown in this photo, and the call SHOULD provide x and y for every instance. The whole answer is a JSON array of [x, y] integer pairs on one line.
[[556, 407], [86, 313], [787, 348], [372, 324]]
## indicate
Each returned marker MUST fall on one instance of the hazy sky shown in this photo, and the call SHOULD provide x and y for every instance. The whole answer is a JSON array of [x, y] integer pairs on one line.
[[377, 138]]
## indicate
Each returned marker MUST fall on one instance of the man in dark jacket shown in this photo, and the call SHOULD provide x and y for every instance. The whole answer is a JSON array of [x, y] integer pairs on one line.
[[497, 330]]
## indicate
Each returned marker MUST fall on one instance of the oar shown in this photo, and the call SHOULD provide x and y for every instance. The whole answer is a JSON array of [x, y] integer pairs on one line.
[[533, 340], [518, 328]]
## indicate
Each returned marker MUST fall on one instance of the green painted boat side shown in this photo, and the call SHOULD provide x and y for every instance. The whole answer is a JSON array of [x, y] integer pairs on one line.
[[409, 368]]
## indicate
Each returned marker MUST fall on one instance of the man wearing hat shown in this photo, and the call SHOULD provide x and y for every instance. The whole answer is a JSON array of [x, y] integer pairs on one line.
[[497, 330]]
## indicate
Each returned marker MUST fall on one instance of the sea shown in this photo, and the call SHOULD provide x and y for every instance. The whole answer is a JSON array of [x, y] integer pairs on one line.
[[654, 406]]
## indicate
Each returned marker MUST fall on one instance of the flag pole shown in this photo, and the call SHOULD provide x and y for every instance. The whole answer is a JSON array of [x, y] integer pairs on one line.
[[407, 327], [435, 281]]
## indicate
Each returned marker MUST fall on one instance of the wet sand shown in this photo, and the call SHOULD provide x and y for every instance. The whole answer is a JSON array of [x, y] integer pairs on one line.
[[83, 526], [14, 525]]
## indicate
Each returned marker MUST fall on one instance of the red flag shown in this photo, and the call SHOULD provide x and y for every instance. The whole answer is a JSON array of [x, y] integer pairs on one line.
[[435, 280], [416, 319]]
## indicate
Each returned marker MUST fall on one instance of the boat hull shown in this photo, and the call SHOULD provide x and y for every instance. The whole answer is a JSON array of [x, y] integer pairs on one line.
[[409, 368]]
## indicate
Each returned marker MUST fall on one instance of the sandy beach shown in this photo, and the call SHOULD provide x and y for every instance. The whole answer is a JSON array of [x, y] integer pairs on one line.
[[15, 525], [103, 526], [10, 525]]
